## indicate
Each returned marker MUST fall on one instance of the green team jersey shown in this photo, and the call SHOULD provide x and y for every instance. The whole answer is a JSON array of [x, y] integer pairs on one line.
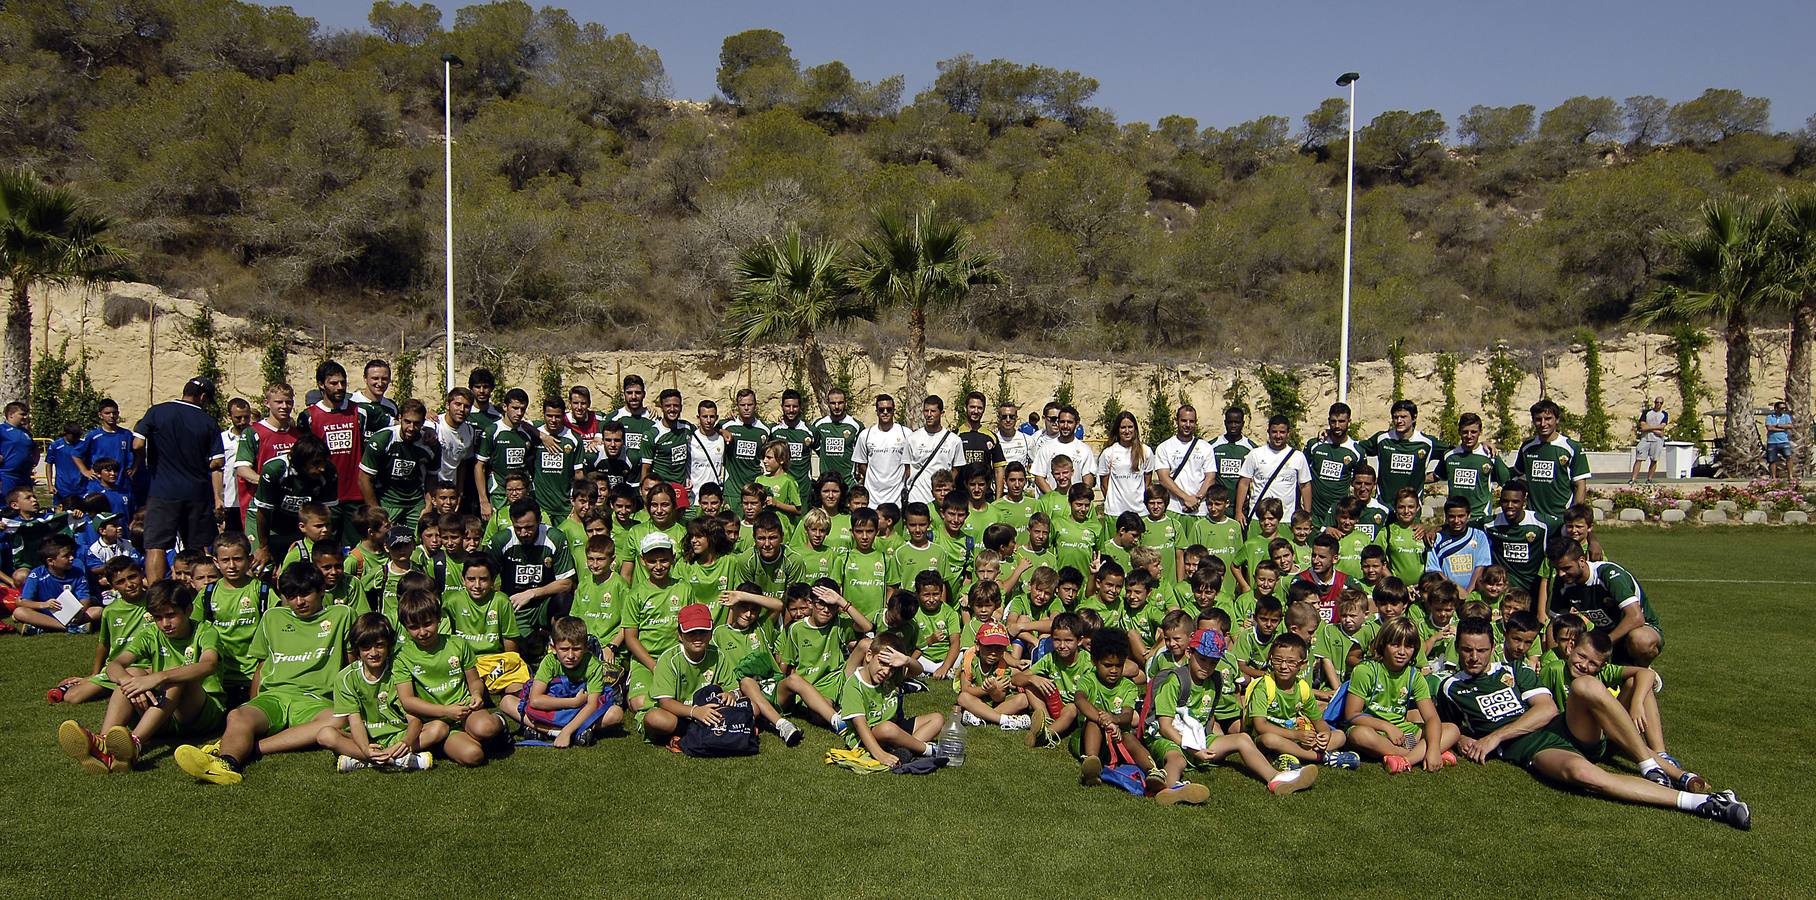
[[783, 488], [590, 673], [373, 700], [1114, 699], [624, 546], [959, 551], [816, 564], [1055, 505], [833, 443], [911, 561], [483, 417], [1240, 608], [601, 605], [654, 611], [122, 619], [1229, 456], [1519, 547], [1472, 475], [1254, 550], [1333, 464], [800, 438], [1111, 551], [1405, 552], [1074, 543], [505, 451], [234, 612], [1374, 518], [539, 562], [400, 470], [976, 521], [156, 651], [438, 671], [671, 452], [817, 653], [552, 474], [1331, 642], [1551, 470], [1603, 599], [1555, 674], [935, 630], [1066, 678], [1402, 461], [1249, 645], [1387, 696], [299, 655], [743, 454], [1349, 553], [733, 645], [771, 576], [677, 677], [483, 624], [1167, 535], [706, 581], [639, 435], [867, 578], [859, 699], [381, 584], [1144, 621], [1485, 702], [1229, 691], [1016, 513], [1200, 699], [1224, 540], [1283, 706]]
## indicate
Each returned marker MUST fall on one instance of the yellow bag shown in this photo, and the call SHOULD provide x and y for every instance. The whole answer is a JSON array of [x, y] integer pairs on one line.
[[503, 673]]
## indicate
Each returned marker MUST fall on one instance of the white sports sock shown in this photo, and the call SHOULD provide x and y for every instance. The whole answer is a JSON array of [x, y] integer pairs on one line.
[[1688, 802], [1648, 764]]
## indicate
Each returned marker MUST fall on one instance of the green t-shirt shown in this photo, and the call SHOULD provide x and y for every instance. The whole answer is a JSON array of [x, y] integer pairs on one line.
[[733, 645], [1402, 461], [1519, 547], [1074, 543], [936, 629], [1224, 541], [505, 451], [1144, 621], [1066, 678], [800, 440], [1405, 552], [482, 624], [706, 581], [771, 576], [1555, 675], [1229, 456], [1349, 553], [1333, 643], [601, 605], [815, 564], [1115, 699], [400, 470], [552, 474], [911, 561], [783, 488], [1016, 513], [671, 453], [678, 677], [301, 655], [867, 578], [1551, 471], [1604, 599], [156, 651], [1333, 466], [654, 611], [817, 654], [374, 701], [1472, 475], [1282, 706], [1388, 696], [743, 452], [859, 699], [1200, 704], [589, 673], [122, 619], [624, 547], [833, 442], [439, 671]]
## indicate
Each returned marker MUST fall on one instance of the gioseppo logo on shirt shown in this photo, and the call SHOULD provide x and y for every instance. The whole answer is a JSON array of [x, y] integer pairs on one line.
[[1500, 704], [528, 575], [1330, 470], [550, 462], [338, 437], [1230, 467], [1463, 478], [403, 468], [633, 440], [744, 449], [677, 455], [1543, 469], [1600, 618], [835, 445], [292, 504], [513, 457], [1516, 552], [1401, 462]]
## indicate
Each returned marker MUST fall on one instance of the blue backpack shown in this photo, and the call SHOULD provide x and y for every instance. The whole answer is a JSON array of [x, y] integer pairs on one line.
[[1124, 773], [540, 726], [735, 735]]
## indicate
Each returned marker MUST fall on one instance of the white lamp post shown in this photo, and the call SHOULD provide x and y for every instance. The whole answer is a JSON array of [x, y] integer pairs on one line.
[[448, 62], [1347, 79]]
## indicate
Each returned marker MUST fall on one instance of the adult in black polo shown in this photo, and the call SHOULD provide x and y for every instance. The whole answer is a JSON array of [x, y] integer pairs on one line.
[[182, 445]]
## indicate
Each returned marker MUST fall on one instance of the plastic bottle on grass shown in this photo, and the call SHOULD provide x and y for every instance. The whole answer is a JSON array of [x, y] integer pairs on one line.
[[952, 740]]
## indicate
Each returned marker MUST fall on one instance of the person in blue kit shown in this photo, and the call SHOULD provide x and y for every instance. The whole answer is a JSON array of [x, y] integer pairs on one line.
[[68, 477], [18, 453], [109, 441], [183, 453]]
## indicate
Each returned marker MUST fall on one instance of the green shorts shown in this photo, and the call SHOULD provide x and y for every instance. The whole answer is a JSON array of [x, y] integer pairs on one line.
[[207, 720], [103, 682], [287, 709], [1160, 747], [1407, 729], [1594, 752], [637, 684], [1523, 750]]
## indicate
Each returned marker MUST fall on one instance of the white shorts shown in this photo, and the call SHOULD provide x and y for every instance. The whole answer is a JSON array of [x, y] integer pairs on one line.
[[1649, 449]]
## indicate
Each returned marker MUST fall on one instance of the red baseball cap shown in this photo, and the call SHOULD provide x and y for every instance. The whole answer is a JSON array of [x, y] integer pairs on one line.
[[695, 617], [992, 635]]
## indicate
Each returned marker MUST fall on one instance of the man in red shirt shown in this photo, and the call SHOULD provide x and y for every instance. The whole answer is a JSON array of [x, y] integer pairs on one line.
[[341, 424], [582, 420], [267, 439]]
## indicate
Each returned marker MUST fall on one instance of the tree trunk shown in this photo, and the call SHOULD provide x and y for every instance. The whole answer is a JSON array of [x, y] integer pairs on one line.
[[819, 378], [1797, 383], [917, 357], [1740, 452], [16, 355]]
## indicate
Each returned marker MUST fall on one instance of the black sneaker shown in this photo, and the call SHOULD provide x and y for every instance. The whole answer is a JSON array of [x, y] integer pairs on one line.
[[913, 686], [1658, 776], [1728, 810]]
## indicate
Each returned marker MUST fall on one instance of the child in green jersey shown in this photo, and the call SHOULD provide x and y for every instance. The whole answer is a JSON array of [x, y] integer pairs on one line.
[[437, 680], [600, 602], [337, 589], [1264, 530], [1491, 587], [680, 673], [1374, 566], [1109, 706], [312, 520], [299, 647], [1519, 639], [870, 705], [1030, 615], [812, 652], [1303, 529], [1302, 619], [937, 627], [1438, 627], [371, 729], [1264, 581], [1337, 646], [1578, 524], [1349, 541], [481, 615], [516, 487], [1285, 718], [120, 620], [569, 658], [167, 682], [1250, 646], [1180, 727], [1053, 680], [986, 689], [810, 544], [371, 523], [1141, 616], [1389, 708]]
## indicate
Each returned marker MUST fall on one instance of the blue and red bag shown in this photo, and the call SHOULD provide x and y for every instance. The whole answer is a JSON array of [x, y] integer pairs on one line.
[[541, 725], [1124, 774]]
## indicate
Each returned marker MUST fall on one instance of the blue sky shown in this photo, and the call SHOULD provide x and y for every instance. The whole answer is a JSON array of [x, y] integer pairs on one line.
[[1224, 63]]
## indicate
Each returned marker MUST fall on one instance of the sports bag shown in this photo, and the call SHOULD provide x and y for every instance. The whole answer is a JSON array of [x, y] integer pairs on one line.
[[1124, 773], [540, 726], [735, 735]]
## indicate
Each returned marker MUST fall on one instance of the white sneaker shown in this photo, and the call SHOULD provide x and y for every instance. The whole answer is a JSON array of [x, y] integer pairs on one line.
[[344, 764], [789, 732], [1658, 683], [422, 760], [971, 721], [1015, 723]]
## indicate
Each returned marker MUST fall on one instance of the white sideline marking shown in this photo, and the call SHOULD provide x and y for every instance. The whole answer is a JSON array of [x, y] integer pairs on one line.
[[1720, 581]]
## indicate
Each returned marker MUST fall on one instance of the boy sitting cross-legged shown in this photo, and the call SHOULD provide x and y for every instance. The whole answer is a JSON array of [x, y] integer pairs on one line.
[[371, 728]]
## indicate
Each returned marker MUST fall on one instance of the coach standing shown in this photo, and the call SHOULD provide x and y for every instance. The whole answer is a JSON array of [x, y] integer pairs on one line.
[[182, 445]]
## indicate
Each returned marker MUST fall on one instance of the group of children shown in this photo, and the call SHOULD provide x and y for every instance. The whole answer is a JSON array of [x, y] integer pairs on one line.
[[1154, 639]]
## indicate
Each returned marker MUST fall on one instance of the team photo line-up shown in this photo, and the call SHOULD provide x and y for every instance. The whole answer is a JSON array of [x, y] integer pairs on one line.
[[398, 585]]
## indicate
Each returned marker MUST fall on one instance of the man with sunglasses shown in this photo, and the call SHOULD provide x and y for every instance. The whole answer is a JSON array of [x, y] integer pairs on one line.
[[981, 448], [1016, 445], [879, 457]]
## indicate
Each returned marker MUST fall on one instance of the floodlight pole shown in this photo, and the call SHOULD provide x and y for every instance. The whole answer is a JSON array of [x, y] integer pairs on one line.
[[1348, 79], [448, 62]]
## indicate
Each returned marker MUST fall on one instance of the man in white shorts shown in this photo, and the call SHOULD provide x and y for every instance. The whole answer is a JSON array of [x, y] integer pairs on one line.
[[1651, 446]]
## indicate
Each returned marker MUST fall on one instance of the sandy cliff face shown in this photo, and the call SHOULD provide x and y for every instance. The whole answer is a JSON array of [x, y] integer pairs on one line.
[[139, 359]]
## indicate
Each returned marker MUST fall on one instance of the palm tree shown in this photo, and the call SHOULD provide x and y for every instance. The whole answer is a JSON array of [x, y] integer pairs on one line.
[[919, 262], [790, 290], [1793, 246], [1722, 272], [46, 235]]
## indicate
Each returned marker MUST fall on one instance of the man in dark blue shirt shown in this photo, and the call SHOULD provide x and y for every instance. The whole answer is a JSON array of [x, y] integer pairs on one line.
[[18, 453], [182, 451]]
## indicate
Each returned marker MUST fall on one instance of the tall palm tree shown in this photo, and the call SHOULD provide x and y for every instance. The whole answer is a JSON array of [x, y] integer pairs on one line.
[[1793, 247], [919, 262], [790, 290], [46, 234], [1722, 271]]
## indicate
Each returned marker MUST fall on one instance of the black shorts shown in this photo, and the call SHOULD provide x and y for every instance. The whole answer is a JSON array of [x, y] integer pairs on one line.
[[167, 519]]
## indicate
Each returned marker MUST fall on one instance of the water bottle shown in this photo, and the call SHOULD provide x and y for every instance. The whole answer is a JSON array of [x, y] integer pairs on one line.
[[952, 740]]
